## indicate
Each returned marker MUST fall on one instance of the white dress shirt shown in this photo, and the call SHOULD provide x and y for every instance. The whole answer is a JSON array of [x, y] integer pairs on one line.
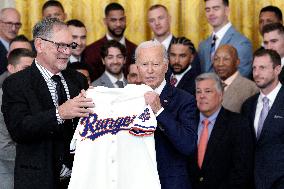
[[122, 40], [166, 41], [113, 79], [179, 76], [271, 96], [220, 34], [73, 59], [159, 90]]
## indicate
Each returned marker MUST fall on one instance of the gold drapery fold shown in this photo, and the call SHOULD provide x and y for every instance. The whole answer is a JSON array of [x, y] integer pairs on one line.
[[188, 17]]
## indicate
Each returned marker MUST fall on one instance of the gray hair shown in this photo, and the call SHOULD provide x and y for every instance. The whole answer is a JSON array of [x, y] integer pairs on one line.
[[45, 28], [211, 76], [151, 44]]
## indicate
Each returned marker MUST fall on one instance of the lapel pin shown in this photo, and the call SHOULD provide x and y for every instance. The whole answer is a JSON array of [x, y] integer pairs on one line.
[[277, 117]]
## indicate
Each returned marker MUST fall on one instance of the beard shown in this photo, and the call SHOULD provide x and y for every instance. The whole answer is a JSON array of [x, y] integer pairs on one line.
[[264, 84], [117, 35], [181, 70], [113, 71]]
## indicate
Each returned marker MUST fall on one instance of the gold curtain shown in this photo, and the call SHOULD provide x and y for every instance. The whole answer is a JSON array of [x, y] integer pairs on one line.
[[188, 17]]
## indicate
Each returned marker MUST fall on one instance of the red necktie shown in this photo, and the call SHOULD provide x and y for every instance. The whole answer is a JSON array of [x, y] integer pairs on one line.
[[203, 142], [173, 80]]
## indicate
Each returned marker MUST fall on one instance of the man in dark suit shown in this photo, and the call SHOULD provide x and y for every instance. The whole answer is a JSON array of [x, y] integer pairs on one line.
[[273, 38], [267, 15], [224, 157], [175, 137], [113, 56], [10, 23], [39, 104], [266, 115], [115, 21], [223, 33], [182, 73]]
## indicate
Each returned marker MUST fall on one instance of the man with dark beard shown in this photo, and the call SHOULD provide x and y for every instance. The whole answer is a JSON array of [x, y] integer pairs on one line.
[[181, 55], [113, 56], [115, 21]]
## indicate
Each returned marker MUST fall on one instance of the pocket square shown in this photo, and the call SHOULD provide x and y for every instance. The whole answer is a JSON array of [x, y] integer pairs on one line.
[[278, 117]]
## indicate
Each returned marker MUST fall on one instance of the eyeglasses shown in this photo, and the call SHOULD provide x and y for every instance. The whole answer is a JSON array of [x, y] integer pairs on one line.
[[17, 25], [62, 47]]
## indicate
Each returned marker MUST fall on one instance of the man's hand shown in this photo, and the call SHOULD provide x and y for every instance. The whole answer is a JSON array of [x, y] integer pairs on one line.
[[76, 107], [153, 99]]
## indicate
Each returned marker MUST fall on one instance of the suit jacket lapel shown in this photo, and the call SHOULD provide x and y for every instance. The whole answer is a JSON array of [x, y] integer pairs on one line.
[[71, 86], [208, 54], [39, 86], [252, 114], [277, 106], [106, 81], [228, 36], [216, 134], [166, 95], [185, 77], [3, 48]]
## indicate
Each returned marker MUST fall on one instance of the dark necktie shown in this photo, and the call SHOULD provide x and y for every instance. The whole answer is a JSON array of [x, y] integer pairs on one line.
[[213, 47], [62, 154], [119, 84], [61, 94], [173, 80]]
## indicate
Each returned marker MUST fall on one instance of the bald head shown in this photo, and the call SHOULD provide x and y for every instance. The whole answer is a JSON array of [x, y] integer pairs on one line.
[[226, 61], [10, 23]]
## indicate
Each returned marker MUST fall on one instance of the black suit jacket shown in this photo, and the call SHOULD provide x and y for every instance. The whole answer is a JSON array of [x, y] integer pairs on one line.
[[3, 58], [269, 149], [175, 137], [281, 76], [187, 82], [228, 160], [30, 116]]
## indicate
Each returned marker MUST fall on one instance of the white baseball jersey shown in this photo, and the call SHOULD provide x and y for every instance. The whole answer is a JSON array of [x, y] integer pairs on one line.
[[114, 146]]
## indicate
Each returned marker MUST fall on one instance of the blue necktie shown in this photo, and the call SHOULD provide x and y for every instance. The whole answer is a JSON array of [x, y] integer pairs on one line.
[[263, 114]]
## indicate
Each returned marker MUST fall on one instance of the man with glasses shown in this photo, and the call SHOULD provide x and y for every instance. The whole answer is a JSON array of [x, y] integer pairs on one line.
[[10, 23], [39, 106]]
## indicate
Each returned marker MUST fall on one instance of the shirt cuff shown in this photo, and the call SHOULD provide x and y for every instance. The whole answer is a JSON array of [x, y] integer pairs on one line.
[[159, 112], [59, 119]]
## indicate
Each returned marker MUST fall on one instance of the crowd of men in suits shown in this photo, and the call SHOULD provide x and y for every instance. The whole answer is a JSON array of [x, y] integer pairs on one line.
[[219, 108]]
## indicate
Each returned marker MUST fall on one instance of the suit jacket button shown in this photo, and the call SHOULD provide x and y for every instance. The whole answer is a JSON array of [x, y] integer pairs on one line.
[[201, 179]]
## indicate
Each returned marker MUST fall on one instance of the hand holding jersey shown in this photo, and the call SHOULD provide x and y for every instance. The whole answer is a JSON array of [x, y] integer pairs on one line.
[[115, 145]]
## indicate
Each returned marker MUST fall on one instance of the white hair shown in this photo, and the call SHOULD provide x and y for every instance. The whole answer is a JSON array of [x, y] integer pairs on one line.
[[151, 44]]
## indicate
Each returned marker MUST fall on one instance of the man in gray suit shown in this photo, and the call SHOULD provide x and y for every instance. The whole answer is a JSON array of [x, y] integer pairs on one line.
[[113, 56], [18, 60], [236, 87], [217, 13]]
